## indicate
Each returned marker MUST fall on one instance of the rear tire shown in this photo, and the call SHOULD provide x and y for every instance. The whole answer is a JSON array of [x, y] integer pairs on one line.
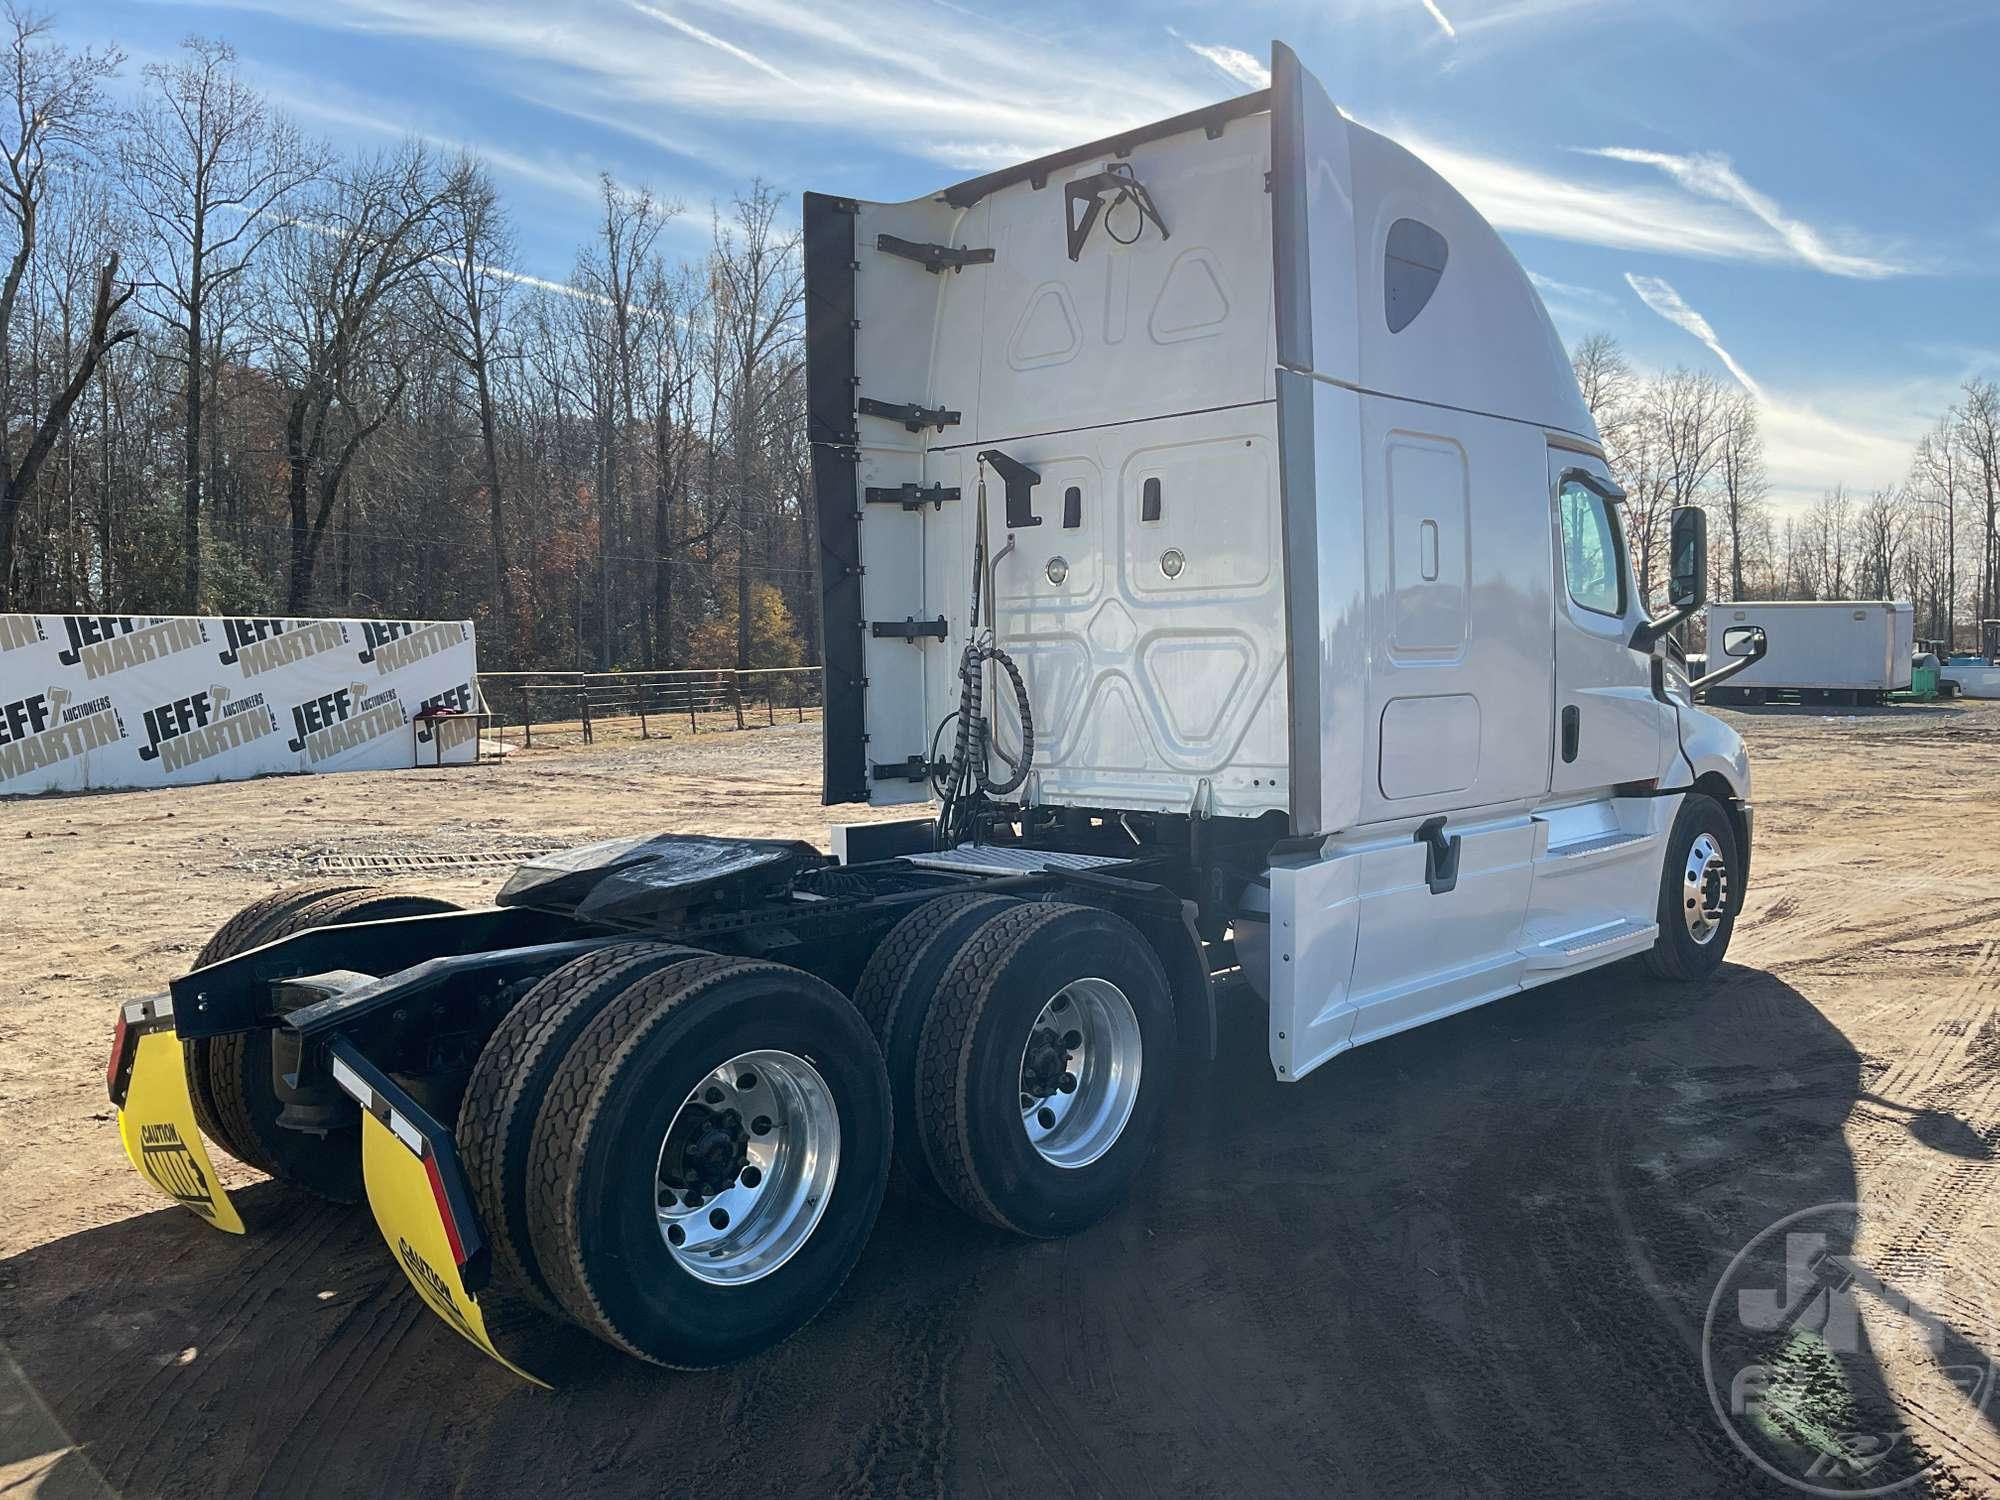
[[1698, 898], [262, 921], [503, 1098], [894, 997], [1045, 1164], [608, 1152], [239, 1066]]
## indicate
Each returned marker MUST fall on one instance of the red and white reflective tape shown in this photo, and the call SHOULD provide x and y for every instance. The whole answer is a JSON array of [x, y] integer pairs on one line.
[[363, 1093]]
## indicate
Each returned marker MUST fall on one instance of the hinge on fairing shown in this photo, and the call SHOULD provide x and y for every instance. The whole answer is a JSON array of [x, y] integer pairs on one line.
[[933, 258], [911, 415], [916, 768], [909, 629], [910, 496]]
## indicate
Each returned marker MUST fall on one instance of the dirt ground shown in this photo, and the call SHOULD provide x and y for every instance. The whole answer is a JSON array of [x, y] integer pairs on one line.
[[1473, 1259]]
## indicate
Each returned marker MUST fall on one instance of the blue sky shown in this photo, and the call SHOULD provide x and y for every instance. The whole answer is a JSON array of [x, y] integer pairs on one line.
[[1798, 195]]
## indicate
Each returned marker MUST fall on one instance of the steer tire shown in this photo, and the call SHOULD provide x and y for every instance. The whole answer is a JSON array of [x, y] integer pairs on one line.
[[496, 1120], [894, 996], [594, 1192], [239, 1065], [969, 1078], [1677, 954], [262, 921]]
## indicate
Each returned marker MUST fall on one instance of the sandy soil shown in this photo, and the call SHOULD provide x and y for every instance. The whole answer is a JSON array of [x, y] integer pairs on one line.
[[1472, 1259]]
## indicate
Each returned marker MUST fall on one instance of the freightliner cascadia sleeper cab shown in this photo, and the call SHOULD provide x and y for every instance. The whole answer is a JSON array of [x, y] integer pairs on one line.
[[1217, 555]]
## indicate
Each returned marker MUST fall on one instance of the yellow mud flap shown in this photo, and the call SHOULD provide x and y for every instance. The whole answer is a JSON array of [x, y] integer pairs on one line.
[[148, 1081], [417, 1193]]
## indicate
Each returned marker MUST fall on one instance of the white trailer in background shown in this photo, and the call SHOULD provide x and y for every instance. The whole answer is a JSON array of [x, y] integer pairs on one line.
[[1238, 454], [1825, 651]]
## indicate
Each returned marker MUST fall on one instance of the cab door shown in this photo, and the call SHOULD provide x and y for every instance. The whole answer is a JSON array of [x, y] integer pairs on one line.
[[1609, 725]]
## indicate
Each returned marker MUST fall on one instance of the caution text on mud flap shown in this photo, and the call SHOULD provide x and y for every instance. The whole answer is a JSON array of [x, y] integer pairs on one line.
[[165, 1159]]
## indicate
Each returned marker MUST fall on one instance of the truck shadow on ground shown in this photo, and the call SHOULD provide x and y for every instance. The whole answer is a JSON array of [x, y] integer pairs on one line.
[[1475, 1258]]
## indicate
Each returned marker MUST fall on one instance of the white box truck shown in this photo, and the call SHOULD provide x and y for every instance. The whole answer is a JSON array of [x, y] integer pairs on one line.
[[1822, 651], [1217, 555]]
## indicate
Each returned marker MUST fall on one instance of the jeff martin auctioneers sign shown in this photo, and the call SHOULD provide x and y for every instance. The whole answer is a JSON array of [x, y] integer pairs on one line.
[[94, 701]]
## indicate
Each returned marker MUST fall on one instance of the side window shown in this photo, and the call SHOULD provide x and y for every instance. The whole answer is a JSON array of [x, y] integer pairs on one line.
[[1412, 265], [1590, 550]]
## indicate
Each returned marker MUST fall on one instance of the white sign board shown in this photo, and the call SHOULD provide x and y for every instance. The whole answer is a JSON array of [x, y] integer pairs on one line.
[[95, 701]]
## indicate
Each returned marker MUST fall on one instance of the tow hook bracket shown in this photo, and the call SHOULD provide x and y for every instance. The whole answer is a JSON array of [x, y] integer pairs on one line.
[[916, 418], [1116, 179], [933, 258], [909, 629], [916, 768], [910, 496], [1440, 855]]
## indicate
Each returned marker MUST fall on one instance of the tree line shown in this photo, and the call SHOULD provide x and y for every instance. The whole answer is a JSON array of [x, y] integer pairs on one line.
[[1682, 437], [245, 374]]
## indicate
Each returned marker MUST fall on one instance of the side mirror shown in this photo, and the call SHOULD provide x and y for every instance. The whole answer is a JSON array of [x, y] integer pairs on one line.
[[1742, 644], [1687, 580], [1743, 640], [1687, 589]]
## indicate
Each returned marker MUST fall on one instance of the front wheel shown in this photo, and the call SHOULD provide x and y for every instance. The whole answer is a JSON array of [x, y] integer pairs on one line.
[[1698, 895]]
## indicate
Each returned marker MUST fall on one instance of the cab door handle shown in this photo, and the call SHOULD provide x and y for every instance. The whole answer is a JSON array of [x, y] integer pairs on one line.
[[1572, 731]]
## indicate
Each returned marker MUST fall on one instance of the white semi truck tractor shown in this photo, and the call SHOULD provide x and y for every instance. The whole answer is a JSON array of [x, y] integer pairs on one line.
[[1219, 560]]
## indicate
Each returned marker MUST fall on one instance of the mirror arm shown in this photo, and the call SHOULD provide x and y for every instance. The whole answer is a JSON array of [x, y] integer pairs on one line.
[[1710, 679], [1647, 634]]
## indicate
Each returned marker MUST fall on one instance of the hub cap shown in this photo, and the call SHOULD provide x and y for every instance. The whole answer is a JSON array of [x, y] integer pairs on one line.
[[1704, 889], [1080, 1072], [746, 1167]]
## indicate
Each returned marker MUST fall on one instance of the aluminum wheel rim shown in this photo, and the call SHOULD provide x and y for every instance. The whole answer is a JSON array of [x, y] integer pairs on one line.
[[1080, 1072], [746, 1167], [1704, 889]]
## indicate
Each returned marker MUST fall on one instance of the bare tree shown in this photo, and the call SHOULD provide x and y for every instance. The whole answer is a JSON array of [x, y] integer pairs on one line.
[[208, 167], [759, 291], [470, 293], [1881, 528], [609, 318], [1604, 378], [1978, 433], [342, 309], [59, 110], [1740, 473], [1935, 476]]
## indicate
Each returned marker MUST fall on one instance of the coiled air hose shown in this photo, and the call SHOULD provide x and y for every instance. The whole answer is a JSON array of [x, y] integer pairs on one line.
[[967, 782]]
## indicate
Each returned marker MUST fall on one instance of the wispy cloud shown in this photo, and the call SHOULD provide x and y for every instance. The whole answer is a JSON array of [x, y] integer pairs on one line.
[[1659, 294], [1233, 62], [907, 75], [1444, 21], [1693, 215], [708, 39], [1548, 286], [1712, 176], [1806, 450]]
